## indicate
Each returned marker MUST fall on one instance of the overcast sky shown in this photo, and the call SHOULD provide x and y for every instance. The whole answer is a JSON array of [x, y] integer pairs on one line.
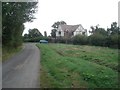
[[85, 12]]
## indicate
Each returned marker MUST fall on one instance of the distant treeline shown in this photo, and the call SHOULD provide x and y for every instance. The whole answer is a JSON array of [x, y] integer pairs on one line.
[[34, 35]]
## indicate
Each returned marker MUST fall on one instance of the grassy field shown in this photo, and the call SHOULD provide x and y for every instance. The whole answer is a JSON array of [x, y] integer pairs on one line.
[[75, 66]]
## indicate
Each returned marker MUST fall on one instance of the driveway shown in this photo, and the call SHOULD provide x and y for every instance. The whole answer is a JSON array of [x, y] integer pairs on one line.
[[22, 70]]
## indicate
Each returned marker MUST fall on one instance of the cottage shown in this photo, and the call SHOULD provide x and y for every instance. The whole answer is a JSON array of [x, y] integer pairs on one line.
[[70, 30]]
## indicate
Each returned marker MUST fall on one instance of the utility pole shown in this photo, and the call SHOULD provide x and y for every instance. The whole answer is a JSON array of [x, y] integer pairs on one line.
[[119, 14]]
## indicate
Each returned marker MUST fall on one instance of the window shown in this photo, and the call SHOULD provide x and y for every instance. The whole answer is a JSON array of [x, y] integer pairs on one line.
[[72, 33], [59, 32], [83, 33]]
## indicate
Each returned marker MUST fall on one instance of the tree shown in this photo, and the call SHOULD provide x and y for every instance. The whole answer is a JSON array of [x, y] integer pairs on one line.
[[56, 24], [34, 33], [98, 36], [101, 37], [26, 36], [53, 33], [14, 15], [114, 29], [99, 30], [113, 35], [97, 39]]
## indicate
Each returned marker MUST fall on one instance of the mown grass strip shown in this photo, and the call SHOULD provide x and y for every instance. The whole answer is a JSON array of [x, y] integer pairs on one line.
[[94, 54], [73, 72]]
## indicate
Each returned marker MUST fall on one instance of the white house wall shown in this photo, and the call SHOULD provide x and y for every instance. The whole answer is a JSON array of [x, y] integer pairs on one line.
[[62, 33], [79, 30], [57, 33]]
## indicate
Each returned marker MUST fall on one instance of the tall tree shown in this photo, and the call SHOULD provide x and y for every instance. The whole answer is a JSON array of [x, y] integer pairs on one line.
[[53, 33], [98, 30], [14, 15], [114, 35], [98, 36], [34, 33], [114, 29]]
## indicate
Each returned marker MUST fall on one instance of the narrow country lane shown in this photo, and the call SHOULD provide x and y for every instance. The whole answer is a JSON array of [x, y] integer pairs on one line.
[[22, 70]]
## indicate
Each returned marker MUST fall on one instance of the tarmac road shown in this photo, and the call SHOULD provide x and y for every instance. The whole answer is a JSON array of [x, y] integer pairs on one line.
[[22, 70]]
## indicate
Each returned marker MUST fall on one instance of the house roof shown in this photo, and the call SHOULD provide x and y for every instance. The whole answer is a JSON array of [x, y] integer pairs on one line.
[[70, 28]]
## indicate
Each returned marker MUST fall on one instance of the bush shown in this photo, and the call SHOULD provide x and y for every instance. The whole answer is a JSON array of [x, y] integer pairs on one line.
[[60, 40], [35, 39], [80, 39], [114, 41], [97, 40]]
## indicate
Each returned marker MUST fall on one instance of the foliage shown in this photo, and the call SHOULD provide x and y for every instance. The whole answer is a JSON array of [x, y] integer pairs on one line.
[[114, 40], [56, 24], [9, 52], [114, 29], [98, 30], [14, 14], [97, 39], [34, 35], [80, 39], [53, 33], [35, 39], [113, 35]]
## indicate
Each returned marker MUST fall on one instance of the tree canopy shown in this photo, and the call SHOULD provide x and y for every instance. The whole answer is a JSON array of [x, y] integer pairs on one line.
[[101, 37], [114, 29], [34, 33], [14, 15], [56, 24]]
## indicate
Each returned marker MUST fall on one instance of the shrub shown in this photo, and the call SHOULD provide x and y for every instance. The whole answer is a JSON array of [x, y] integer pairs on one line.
[[114, 41], [80, 39], [35, 39], [97, 40]]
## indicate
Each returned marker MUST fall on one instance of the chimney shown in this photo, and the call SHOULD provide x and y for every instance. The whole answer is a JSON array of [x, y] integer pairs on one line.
[[45, 33]]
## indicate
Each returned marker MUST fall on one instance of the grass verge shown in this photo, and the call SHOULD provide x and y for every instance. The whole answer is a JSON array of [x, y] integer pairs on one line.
[[9, 52], [63, 66]]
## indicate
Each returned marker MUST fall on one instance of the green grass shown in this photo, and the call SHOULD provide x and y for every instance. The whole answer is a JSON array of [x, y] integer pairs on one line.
[[75, 66], [9, 52]]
